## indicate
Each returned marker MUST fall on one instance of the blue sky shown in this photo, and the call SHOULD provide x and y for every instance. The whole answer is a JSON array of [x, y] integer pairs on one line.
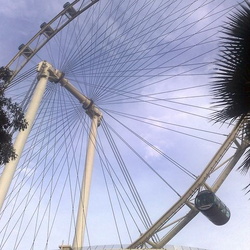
[[115, 85]]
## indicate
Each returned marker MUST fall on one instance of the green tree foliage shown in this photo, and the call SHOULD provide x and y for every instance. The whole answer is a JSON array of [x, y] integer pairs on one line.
[[11, 120], [231, 86]]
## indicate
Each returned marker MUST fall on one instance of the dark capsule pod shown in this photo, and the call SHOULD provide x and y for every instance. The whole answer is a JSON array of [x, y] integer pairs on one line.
[[212, 207], [27, 52], [70, 11], [48, 31]]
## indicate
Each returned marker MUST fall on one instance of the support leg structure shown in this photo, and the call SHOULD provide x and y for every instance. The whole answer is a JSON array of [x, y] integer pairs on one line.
[[10, 168]]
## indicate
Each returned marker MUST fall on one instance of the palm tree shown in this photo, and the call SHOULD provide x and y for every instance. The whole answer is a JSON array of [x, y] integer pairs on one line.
[[231, 85]]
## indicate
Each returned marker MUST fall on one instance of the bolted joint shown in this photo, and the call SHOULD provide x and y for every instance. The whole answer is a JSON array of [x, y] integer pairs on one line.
[[43, 68], [46, 69], [56, 76], [93, 112]]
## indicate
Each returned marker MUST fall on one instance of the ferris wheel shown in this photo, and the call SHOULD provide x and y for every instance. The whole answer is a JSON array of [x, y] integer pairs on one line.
[[119, 142]]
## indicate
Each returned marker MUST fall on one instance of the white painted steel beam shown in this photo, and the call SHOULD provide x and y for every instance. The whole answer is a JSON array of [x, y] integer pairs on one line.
[[10, 168], [40, 39], [86, 185], [200, 181], [96, 116]]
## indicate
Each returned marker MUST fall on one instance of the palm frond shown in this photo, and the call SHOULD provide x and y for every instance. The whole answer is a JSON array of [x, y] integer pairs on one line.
[[245, 165], [231, 82], [231, 85]]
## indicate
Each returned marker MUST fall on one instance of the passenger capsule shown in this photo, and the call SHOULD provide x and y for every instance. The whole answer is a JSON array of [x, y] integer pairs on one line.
[[212, 207], [70, 10], [27, 52], [48, 31]]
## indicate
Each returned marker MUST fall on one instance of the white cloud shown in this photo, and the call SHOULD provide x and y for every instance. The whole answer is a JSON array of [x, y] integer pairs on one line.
[[14, 8], [28, 9]]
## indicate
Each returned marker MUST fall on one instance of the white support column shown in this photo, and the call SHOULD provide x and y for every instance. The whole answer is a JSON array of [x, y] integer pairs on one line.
[[10, 168], [95, 115], [86, 183]]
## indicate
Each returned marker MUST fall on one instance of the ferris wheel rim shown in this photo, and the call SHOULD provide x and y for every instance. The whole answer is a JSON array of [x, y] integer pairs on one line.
[[196, 185], [42, 32], [185, 198]]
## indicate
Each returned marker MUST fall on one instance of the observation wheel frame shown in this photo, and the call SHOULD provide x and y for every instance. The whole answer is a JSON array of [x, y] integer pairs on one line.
[[47, 32], [166, 222], [237, 138]]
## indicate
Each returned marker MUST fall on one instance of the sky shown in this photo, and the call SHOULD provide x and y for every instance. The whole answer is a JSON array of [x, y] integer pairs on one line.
[[148, 74]]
